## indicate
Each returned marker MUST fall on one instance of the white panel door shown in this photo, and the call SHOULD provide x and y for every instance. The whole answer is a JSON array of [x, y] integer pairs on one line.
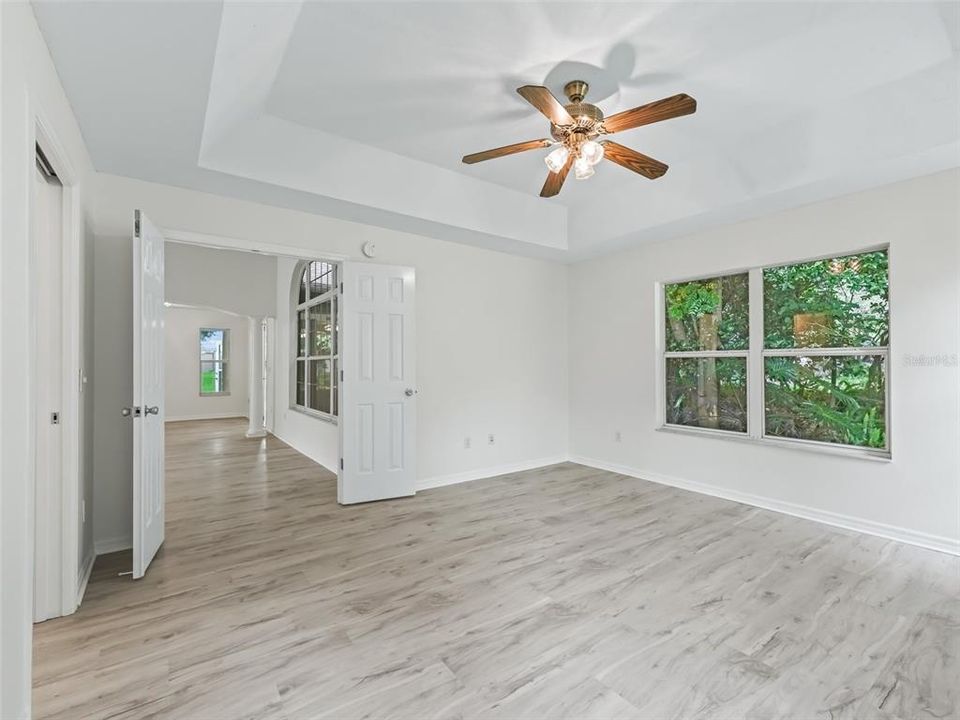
[[148, 413], [378, 389]]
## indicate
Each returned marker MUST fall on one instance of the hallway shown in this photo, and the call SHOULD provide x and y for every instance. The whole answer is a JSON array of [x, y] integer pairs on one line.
[[237, 508]]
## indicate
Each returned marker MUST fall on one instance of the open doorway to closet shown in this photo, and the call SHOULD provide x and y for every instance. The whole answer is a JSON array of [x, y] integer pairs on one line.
[[47, 244], [60, 352]]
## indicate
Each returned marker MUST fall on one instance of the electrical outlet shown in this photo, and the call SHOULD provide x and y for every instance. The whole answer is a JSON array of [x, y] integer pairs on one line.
[[490, 439], [617, 437], [466, 443]]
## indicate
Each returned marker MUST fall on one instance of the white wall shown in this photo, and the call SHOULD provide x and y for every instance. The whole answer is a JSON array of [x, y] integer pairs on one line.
[[612, 363], [182, 397], [28, 85], [492, 331], [113, 390], [239, 282]]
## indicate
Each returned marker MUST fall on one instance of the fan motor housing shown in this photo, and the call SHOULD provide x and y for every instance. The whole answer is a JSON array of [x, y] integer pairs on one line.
[[586, 117]]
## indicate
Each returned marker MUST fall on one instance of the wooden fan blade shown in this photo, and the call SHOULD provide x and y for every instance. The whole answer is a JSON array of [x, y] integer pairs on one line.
[[555, 180], [665, 109], [506, 150], [632, 160], [544, 101]]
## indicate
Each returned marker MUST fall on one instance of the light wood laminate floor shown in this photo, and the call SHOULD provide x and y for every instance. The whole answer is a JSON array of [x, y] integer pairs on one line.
[[560, 592]]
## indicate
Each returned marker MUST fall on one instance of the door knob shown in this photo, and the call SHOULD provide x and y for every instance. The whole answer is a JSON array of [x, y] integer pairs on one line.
[[155, 410], [409, 392], [131, 411]]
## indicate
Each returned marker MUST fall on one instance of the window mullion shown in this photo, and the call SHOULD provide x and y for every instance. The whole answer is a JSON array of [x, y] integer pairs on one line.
[[705, 353], [755, 381], [825, 351]]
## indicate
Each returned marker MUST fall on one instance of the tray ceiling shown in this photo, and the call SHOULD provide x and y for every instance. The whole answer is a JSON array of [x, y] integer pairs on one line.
[[362, 110]]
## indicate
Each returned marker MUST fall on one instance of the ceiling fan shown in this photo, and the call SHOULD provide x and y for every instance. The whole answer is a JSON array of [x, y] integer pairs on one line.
[[579, 131]]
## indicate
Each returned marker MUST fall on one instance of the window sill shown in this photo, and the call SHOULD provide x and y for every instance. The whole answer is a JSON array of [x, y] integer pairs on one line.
[[802, 445], [332, 419]]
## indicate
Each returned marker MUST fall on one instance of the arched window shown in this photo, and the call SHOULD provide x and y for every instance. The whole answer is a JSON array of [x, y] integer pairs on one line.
[[316, 370]]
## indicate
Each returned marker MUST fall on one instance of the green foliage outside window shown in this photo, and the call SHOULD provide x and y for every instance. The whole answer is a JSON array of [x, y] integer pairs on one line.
[[834, 399], [709, 314], [836, 303], [707, 392], [208, 381], [846, 297], [833, 303]]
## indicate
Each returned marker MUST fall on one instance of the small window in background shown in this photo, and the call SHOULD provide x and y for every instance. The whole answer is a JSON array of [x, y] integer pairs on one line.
[[826, 338], [706, 328], [214, 349]]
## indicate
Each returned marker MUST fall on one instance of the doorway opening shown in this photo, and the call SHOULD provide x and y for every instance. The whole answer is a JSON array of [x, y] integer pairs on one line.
[[275, 375], [60, 346], [47, 236]]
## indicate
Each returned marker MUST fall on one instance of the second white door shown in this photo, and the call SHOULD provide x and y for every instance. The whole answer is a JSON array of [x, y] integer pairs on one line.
[[378, 390], [147, 412]]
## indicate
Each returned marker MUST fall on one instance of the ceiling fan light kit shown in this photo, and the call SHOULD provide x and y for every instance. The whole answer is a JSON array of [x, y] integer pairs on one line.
[[579, 131]]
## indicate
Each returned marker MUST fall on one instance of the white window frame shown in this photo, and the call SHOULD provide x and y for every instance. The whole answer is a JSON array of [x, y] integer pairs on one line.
[[224, 362], [332, 295], [756, 355]]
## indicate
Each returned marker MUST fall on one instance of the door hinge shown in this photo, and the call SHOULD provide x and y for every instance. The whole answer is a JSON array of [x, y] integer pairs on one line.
[[341, 376], [55, 418], [136, 223], [341, 288], [341, 463]]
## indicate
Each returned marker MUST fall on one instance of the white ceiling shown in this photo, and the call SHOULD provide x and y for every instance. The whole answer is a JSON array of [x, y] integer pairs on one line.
[[362, 110]]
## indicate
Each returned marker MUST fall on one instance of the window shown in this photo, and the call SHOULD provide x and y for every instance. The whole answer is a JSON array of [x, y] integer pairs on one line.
[[707, 336], [826, 333], [214, 351], [817, 363], [316, 371]]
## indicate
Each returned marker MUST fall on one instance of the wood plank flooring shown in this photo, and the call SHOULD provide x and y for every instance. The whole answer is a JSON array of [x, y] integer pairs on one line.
[[564, 592]]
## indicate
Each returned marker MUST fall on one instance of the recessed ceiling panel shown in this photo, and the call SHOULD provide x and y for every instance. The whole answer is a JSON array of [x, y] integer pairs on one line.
[[796, 101]]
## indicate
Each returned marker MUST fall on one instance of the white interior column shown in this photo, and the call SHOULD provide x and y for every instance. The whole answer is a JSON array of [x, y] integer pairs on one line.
[[255, 381], [269, 350]]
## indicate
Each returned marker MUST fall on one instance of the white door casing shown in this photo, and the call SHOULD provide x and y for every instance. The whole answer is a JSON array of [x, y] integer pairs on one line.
[[148, 382], [378, 390]]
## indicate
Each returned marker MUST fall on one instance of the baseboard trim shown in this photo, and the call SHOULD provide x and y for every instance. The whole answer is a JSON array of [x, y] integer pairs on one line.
[[313, 456], [848, 522], [487, 472], [207, 416], [85, 577], [105, 546]]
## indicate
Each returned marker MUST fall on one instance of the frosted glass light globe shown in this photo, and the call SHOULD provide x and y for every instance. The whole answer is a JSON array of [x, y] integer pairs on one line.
[[582, 168], [557, 158], [592, 151]]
